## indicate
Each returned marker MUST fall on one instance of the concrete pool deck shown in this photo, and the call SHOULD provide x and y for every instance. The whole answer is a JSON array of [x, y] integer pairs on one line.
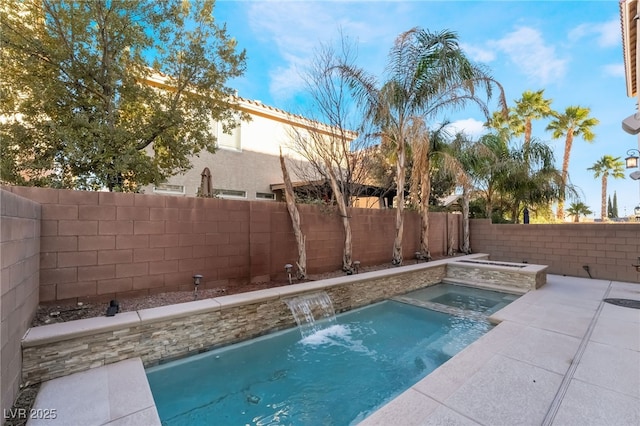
[[560, 356]]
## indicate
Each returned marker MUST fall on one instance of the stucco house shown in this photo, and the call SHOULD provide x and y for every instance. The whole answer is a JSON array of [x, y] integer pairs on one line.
[[246, 164], [630, 20]]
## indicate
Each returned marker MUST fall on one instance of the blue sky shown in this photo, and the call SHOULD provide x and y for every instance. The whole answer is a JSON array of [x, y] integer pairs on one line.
[[571, 49]]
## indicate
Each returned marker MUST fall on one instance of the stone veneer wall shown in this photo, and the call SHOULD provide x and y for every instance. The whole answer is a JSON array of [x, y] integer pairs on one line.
[[505, 276], [165, 333], [19, 280]]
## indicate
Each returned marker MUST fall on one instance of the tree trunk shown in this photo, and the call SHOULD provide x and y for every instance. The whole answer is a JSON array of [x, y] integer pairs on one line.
[[488, 208], [565, 172], [347, 261], [400, 170], [295, 220], [466, 245], [603, 200], [527, 142], [450, 236], [425, 192]]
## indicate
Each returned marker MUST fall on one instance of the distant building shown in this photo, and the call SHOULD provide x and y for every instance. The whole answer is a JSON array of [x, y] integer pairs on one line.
[[246, 164]]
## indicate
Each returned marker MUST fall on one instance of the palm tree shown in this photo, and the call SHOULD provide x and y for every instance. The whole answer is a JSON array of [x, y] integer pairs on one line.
[[427, 73], [469, 155], [605, 167], [573, 123], [532, 106], [426, 148], [578, 209]]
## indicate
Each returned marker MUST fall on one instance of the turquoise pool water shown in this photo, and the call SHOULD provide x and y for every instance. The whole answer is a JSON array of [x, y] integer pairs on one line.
[[478, 300], [335, 376]]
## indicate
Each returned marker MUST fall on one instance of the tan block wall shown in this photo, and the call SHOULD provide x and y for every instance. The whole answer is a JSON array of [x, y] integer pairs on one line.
[[19, 254], [178, 336], [100, 245], [608, 249]]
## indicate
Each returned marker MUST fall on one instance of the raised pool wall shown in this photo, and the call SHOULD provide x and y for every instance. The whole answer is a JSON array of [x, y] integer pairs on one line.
[[174, 331], [495, 275], [169, 332]]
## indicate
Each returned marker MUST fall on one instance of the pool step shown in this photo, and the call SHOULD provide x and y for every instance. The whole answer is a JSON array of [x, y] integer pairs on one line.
[[439, 307]]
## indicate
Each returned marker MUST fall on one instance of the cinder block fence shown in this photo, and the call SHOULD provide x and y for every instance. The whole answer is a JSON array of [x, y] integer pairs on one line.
[[100, 245]]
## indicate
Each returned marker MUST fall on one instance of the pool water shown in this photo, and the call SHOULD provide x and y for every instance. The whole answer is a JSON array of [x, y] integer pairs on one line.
[[477, 300], [335, 376]]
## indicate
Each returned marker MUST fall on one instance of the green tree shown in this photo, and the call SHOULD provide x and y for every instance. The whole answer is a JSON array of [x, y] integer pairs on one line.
[[426, 74], [603, 168], [575, 122], [111, 93], [578, 209], [615, 205], [609, 208], [491, 167], [531, 180]]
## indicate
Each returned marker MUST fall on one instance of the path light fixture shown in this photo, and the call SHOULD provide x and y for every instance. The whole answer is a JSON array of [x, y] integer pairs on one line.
[[356, 266], [420, 256], [197, 278], [287, 269], [637, 266], [632, 160], [113, 308]]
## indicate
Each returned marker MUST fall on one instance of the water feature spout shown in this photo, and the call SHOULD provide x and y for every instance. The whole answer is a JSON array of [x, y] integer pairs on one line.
[[312, 312]]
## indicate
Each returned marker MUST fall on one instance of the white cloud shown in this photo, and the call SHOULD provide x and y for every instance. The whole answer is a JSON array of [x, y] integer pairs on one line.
[[614, 70], [285, 82], [478, 54], [468, 126], [607, 33], [529, 53], [293, 30]]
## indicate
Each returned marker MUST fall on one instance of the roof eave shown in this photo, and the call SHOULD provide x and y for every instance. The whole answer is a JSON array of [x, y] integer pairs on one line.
[[628, 18]]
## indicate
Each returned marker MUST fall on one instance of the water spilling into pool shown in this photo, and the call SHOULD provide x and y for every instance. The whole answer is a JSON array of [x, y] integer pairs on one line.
[[336, 375], [310, 310]]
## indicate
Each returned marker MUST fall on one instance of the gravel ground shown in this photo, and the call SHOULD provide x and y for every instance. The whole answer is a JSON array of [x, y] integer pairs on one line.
[[63, 312]]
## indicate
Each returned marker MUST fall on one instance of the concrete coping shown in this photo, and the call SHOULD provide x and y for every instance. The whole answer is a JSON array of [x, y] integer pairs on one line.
[[50, 333], [36, 336]]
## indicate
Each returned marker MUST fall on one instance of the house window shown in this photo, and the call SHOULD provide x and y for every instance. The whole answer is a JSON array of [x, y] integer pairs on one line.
[[166, 188], [226, 140], [265, 196], [230, 193]]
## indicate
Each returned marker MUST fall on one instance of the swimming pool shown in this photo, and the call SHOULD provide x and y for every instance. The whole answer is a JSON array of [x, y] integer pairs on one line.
[[336, 376]]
